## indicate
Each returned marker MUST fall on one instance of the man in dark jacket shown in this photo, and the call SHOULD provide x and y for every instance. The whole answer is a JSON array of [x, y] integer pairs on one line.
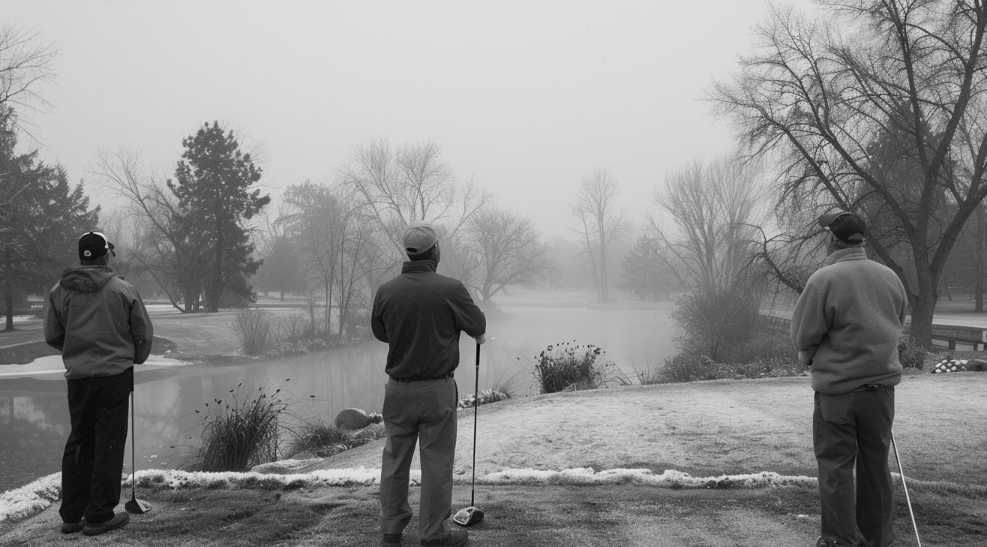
[[846, 327], [420, 315], [99, 323]]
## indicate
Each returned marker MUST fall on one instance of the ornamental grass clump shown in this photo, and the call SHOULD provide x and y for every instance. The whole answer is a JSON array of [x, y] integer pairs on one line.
[[253, 329], [239, 433], [325, 440], [570, 367]]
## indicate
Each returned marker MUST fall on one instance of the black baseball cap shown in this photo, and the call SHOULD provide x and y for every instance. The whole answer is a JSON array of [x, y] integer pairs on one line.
[[93, 245], [846, 226]]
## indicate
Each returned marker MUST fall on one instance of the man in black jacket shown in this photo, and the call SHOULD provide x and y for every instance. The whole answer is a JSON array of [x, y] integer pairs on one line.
[[420, 315], [99, 324]]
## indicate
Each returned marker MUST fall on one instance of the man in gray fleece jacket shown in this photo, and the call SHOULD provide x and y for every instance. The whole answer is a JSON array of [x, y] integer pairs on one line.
[[846, 327], [99, 323]]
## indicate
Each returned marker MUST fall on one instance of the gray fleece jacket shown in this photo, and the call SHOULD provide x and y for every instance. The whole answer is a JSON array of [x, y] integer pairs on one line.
[[98, 321], [847, 323]]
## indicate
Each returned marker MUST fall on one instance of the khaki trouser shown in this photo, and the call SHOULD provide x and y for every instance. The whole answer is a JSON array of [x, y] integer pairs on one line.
[[414, 410], [853, 430]]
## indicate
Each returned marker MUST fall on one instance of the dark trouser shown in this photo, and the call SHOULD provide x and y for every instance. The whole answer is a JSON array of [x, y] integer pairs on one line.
[[412, 410], [848, 430], [92, 464]]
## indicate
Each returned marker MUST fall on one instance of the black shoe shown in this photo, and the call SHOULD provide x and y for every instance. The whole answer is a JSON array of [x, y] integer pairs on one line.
[[453, 538], [118, 520], [73, 527], [392, 540]]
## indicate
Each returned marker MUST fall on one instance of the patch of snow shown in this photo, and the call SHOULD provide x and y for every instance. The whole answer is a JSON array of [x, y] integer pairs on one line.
[[668, 479], [30, 499], [39, 495]]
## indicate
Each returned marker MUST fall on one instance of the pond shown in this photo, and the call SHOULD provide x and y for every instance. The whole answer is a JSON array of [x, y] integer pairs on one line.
[[34, 421]]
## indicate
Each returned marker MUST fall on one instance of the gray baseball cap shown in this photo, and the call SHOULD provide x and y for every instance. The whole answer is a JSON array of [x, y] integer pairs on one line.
[[420, 236]]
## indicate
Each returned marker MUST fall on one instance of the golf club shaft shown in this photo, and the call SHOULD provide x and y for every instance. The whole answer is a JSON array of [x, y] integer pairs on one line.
[[133, 445], [901, 471], [476, 403]]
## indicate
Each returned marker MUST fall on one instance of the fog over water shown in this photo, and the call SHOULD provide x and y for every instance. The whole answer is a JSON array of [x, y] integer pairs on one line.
[[34, 417]]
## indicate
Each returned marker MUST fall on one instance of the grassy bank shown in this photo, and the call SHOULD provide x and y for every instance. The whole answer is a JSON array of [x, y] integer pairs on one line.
[[705, 429], [544, 516]]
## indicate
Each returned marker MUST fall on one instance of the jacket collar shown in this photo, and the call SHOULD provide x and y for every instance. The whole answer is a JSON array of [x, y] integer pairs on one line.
[[419, 266], [842, 255]]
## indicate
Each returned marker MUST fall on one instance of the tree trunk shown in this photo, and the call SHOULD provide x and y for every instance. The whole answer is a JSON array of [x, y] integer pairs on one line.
[[978, 275], [922, 311], [8, 300], [216, 286]]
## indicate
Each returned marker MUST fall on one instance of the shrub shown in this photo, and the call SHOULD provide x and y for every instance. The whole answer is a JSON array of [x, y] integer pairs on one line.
[[253, 329], [239, 433], [769, 344], [716, 320], [687, 368], [356, 328], [911, 356], [568, 367]]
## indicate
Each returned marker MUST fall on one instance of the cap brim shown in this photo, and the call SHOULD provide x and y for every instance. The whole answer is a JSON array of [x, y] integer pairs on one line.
[[828, 218], [440, 230]]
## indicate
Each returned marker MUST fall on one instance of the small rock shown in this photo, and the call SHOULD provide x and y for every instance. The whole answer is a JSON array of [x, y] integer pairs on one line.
[[352, 418]]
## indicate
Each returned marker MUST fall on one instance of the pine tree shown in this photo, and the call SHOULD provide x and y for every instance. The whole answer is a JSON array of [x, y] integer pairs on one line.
[[41, 219], [213, 181]]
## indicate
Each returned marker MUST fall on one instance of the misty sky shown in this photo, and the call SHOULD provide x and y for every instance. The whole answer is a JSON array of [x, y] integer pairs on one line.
[[527, 98]]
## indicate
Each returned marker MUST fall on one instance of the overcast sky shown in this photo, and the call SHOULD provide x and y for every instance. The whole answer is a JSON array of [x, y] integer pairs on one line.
[[526, 98]]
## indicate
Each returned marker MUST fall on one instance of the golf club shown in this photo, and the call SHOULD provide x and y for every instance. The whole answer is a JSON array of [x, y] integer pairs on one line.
[[134, 506], [903, 485], [471, 515]]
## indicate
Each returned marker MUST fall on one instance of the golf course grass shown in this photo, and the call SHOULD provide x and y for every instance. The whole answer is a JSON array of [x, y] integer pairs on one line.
[[703, 428]]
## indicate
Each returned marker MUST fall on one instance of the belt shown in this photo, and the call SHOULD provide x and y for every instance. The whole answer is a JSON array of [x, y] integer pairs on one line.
[[420, 379], [872, 387]]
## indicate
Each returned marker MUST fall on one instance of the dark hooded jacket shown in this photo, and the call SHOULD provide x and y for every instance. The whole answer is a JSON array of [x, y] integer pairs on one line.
[[420, 315], [98, 321]]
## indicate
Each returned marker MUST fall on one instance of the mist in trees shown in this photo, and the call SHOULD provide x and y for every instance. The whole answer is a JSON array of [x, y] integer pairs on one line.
[[41, 214], [191, 234], [212, 186], [717, 208], [598, 218], [877, 109]]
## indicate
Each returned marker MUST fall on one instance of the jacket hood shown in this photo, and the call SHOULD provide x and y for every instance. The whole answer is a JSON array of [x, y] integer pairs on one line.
[[86, 278]]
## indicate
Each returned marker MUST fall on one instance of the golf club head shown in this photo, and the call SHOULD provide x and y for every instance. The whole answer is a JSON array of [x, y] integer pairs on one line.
[[468, 517], [137, 507]]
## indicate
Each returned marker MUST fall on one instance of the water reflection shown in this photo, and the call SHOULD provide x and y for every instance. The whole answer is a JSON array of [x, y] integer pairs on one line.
[[34, 420]]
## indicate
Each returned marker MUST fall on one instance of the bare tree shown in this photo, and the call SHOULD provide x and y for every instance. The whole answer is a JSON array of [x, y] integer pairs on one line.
[[510, 251], [714, 206], [159, 250], [25, 66], [879, 108], [410, 184], [596, 211]]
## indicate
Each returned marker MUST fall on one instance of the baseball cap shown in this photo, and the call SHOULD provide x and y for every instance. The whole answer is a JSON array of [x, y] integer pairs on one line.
[[93, 245], [846, 226], [421, 236]]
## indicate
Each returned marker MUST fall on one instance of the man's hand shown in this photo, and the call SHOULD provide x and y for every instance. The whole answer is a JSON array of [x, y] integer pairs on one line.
[[481, 339]]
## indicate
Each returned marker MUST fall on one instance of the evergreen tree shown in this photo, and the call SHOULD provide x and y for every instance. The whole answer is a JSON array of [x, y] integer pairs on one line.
[[213, 181], [645, 271], [41, 219]]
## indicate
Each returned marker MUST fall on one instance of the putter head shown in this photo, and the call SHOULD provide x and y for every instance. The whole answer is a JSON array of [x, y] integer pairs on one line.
[[137, 507], [468, 517]]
